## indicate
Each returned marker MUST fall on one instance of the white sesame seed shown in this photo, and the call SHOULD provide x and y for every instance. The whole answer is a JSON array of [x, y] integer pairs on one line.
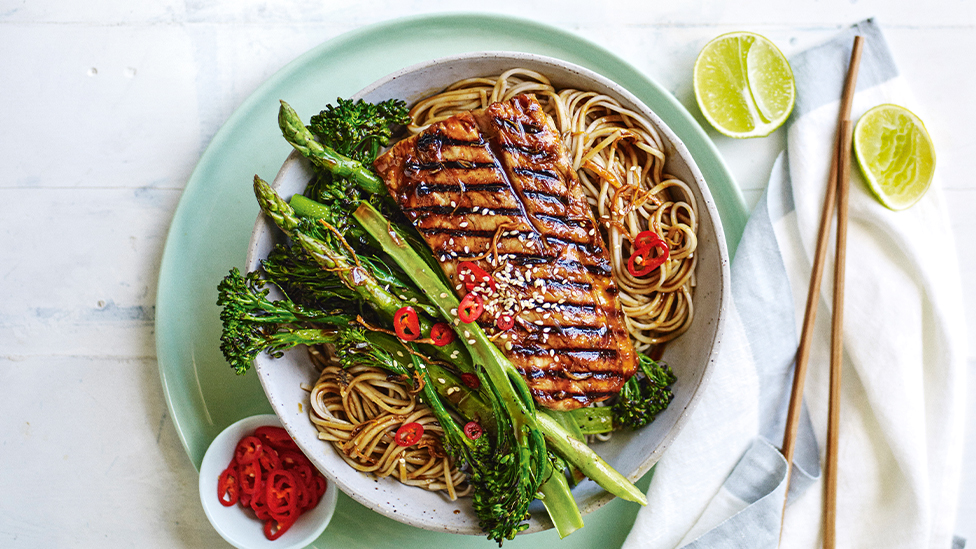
[[537, 322], [463, 224], [467, 333], [443, 295], [556, 359], [508, 345], [441, 380], [399, 353], [453, 204], [471, 342]]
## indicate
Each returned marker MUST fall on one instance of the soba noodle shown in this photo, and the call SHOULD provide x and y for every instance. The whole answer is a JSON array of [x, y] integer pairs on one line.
[[620, 159], [359, 410]]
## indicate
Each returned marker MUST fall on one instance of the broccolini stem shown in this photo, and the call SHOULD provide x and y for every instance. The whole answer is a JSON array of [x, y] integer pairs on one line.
[[306, 207], [304, 142], [592, 465], [559, 502]]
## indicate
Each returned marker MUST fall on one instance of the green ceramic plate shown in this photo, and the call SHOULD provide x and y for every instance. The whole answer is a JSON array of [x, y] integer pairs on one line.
[[213, 223]]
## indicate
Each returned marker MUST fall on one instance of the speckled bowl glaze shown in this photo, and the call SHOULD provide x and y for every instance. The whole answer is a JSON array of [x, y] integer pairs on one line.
[[631, 453]]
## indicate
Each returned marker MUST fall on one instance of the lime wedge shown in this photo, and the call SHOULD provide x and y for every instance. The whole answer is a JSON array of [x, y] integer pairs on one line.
[[744, 85], [896, 155]]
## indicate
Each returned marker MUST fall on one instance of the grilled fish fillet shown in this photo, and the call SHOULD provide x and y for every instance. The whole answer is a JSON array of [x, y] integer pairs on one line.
[[501, 174]]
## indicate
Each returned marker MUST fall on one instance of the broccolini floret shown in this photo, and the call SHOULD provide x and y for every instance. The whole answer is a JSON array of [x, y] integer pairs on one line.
[[645, 394], [359, 129], [253, 323]]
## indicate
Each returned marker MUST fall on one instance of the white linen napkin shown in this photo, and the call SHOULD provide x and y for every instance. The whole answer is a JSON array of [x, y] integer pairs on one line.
[[721, 484]]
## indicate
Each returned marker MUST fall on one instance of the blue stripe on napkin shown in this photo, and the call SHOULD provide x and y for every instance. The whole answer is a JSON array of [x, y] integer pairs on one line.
[[818, 82]]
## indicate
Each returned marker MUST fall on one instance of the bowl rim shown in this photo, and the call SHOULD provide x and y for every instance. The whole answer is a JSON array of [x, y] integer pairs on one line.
[[708, 203], [323, 511]]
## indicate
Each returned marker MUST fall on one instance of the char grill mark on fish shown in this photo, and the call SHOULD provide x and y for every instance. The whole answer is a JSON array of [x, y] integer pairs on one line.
[[501, 174]]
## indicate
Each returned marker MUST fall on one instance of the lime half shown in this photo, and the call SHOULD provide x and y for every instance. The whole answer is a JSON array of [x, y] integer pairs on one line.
[[744, 85], [896, 155]]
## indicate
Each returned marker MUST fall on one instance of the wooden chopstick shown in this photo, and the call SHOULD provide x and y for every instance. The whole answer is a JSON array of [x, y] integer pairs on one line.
[[837, 339], [813, 291]]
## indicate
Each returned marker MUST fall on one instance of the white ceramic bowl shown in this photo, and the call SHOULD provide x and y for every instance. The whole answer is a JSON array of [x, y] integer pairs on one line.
[[239, 527], [631, 453]]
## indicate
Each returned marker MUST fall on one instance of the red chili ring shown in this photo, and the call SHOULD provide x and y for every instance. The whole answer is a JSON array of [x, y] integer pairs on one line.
[[472, 430], [471, 308], [408, 434], [442, 334], [406, 323], [647, 264], [477, 276]]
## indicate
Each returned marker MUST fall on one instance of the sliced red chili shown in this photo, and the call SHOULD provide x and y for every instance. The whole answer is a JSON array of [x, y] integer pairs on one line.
[[299, 465], [282, 492], [473, 276], [641, 262], [273, 528], [272, 477], [320, 485], [229, 486], [472, 430], [245, 499], [645, 239], [259, 505], [471, 308], [290, 459], [471, 380], [441, 333], [408, 434], [406, 324], [276, 437], [248, 449], [505, 322], [249, 475], [269, 460]]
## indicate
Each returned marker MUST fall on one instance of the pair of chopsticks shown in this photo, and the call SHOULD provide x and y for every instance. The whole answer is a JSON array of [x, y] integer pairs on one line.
[[836, 196]]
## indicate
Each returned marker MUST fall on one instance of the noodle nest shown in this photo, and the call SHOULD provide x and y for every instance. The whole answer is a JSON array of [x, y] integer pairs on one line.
[[359, 410]]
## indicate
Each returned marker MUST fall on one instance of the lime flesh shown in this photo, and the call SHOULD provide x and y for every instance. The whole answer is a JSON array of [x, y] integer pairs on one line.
[[895, 154], [744, 85]]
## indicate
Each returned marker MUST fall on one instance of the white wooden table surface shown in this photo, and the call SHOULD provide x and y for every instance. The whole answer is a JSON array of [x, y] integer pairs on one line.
[[105, 108]]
